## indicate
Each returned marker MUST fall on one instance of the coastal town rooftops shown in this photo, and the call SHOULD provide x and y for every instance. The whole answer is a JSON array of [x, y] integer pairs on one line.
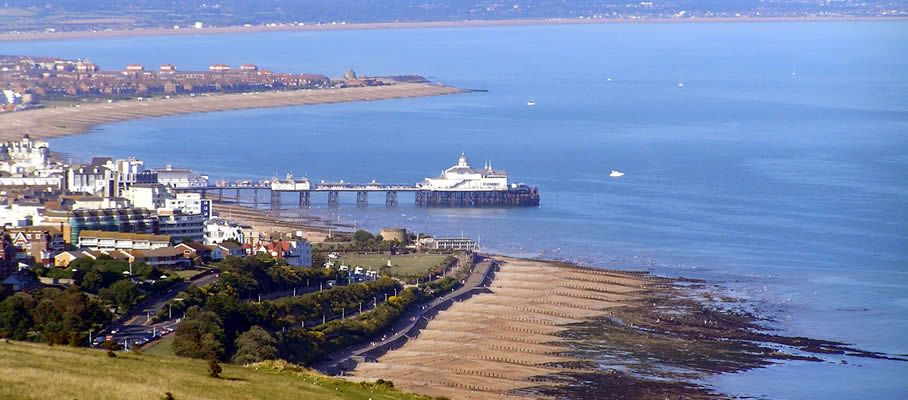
[[158, 253], [229, 246], [124, 235]]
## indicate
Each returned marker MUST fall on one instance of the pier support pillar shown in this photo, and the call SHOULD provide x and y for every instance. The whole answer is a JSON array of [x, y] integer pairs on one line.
[[305, 202], [255, 198], [275, 200], [362, 199], [391, 199], [333, 199], [220, 195], [237, 198]]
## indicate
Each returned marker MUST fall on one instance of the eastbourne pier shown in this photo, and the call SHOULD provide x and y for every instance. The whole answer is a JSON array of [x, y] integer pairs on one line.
[[458, 186]]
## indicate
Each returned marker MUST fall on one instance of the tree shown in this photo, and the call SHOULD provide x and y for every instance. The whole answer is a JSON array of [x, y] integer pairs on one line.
[[16, 317], [362, 237], [123, 294], [199, 336], [92, 282], [255, 345]]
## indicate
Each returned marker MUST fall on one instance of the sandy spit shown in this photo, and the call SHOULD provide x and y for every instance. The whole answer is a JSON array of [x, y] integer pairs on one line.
[[62, 121]]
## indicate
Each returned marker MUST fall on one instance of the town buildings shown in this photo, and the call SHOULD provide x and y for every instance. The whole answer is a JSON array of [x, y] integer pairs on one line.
[[102, 240], [297, 253], [219, 230], [458, 244], [113, 208]]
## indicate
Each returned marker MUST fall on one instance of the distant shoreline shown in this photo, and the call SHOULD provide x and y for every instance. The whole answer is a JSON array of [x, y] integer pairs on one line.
[[54, 122], [30, 36]]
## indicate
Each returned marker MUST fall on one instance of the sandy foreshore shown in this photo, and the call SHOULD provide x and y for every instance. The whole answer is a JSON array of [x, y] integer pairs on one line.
[[494, 345], [23, 36], [551, 330], [62, 121], [314, 229]]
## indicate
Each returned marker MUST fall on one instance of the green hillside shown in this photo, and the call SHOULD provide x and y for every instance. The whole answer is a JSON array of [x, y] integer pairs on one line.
[[37, 371]]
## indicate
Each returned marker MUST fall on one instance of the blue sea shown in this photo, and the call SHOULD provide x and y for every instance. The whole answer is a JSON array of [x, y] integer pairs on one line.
[[779, 170]]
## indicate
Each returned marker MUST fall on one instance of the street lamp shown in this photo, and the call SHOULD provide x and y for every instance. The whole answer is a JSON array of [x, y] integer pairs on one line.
[[170, 307]]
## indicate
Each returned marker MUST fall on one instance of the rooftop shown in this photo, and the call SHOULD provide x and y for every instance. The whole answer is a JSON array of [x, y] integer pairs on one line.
[[124, 235]]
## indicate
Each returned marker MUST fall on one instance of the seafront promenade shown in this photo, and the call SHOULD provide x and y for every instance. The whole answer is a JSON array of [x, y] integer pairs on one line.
[[398, 334], [63, 121]]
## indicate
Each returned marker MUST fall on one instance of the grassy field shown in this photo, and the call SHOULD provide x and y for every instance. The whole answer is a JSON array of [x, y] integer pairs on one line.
[[189, 273], [163, 347], [37, 371], [407, 264]]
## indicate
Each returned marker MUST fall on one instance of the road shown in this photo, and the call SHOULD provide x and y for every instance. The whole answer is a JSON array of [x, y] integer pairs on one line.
[[477, 279], [135, 328]]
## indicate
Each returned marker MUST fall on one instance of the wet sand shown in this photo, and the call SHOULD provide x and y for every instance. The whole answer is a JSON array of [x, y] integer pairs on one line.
[[552, 330], [24, 36], [62, 121], [494, 345]]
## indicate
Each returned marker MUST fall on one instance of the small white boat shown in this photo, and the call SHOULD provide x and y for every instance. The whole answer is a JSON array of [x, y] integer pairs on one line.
[[531, 103], [616, 174], [680, 84]]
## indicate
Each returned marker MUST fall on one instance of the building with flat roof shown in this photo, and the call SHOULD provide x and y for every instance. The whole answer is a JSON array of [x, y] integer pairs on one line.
[[181, 226], [180, 177], [459, 244], [71, 223], [103, 240]]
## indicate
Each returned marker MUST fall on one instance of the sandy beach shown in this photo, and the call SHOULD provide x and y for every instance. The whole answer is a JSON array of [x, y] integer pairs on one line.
[[314, 229], [495, 345], [61, 121], [23, 36]]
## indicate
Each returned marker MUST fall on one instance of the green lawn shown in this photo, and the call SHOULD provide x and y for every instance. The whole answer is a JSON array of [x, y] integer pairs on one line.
[[163, 347], [408, 264], [31, 371], [188, 273]]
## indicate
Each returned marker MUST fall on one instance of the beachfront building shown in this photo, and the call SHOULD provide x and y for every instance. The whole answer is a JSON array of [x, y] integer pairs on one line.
[[219, 230], [181, 226], [24, 156], [147, 195], [180, 177], [189, 203], [92, 179], [102, 240], [458, 244], [72, 222]]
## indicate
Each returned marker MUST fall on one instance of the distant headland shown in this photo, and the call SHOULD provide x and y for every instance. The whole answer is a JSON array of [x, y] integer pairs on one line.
[[339, 26]]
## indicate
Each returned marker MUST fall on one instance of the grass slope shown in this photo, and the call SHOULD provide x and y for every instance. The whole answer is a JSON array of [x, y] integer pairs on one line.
[[37, 371]]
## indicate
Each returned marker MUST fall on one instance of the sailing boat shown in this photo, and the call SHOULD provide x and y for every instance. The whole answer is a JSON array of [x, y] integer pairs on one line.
[[531, 103], [794, 71]]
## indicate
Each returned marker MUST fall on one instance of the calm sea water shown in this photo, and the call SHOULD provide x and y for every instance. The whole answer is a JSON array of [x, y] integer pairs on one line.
[[790, 189]]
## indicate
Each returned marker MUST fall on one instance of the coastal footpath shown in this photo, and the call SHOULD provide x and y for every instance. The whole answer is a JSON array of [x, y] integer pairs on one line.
[[63, 121]]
